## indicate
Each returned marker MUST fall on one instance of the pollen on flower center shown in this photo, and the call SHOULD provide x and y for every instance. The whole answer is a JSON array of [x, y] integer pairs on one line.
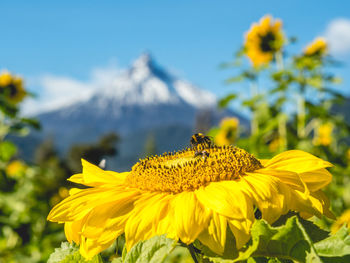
[[183, 171]]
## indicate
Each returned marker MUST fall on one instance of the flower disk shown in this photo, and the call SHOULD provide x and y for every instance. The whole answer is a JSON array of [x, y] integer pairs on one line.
[[182, 171]]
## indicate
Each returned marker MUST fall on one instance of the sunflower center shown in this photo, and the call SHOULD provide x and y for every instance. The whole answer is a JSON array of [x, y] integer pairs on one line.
[[267, 42], [187, 170]]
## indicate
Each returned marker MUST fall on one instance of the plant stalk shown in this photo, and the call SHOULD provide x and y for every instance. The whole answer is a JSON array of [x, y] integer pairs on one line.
[[192, 252]]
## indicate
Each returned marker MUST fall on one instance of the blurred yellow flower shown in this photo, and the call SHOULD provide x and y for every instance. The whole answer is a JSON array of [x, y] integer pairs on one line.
[[188, 197], [5, 79], [63, 192], [318, 47], [348, 155], [275, 144], [15, 168], [343, 219], [228, 132], [12, 87], [263, 40], [323, 134]]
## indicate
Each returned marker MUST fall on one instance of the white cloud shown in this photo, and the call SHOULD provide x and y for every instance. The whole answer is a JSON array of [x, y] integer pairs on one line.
[[338, 36], [57, 91]]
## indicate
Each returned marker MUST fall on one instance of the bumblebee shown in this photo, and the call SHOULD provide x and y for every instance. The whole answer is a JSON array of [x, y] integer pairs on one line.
[[203, 153], [200, 138]]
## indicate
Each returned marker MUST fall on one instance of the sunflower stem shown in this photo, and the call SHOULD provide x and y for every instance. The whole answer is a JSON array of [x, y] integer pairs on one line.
[[279, 60], [192, 252]]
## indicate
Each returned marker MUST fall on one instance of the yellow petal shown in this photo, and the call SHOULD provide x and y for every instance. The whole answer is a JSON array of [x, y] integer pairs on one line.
[[76, 178], [240, 231], [72, 231], [269, 194], [189, 216], [141, 222], [316, 179], [109, 218], [306, 204], [292, 179], [95, 176], [78, 205], [296, 161], [225, 198], [91, 247], [214, 236]]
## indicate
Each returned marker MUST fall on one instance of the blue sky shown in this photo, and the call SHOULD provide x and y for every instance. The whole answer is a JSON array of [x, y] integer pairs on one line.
[[70, 39]]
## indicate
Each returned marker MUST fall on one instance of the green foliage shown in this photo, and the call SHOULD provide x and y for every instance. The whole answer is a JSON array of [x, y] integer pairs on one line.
[[68, 253], [7, 150], [93, 152], [337, 245], [291, 242], [25, 190], [154, 250]]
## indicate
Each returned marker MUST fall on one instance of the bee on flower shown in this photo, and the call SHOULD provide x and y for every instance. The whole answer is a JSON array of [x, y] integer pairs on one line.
[[263, 40], [189, 198]]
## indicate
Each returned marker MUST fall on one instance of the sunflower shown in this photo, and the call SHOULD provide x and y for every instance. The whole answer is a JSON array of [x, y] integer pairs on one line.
[[318, 47], [15, 168], [323, 134], [12, 87], [343, 219], [228, 131], [189, 198], [263, 41]]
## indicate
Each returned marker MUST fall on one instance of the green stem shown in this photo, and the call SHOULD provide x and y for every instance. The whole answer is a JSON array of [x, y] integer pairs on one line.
[[301, 116], [279, 60], [254, 121], [282, 131], [192, 252]]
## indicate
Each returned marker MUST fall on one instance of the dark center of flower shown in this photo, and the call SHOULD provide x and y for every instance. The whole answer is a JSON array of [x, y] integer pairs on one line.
[[13, 90], [267, 42], [186, 171]]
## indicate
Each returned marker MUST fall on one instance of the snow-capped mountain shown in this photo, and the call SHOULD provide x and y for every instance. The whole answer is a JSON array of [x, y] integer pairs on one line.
[[147, 84], [144, 84], [143, 99]]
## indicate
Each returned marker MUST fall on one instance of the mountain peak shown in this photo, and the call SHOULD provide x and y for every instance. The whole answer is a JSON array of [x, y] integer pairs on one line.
[[144, 60], [147, 83], [142, 67]]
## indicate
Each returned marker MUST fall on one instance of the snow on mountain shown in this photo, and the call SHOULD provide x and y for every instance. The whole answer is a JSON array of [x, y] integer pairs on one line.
[[145, 83]]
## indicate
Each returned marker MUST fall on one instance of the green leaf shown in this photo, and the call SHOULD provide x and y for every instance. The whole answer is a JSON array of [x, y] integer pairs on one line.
[[337, 245], [235, 79], [313, 231], [31, 122], [223, 103], [7, 150], [154, 250], [289, 241], [117, 260], [69, 253]]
